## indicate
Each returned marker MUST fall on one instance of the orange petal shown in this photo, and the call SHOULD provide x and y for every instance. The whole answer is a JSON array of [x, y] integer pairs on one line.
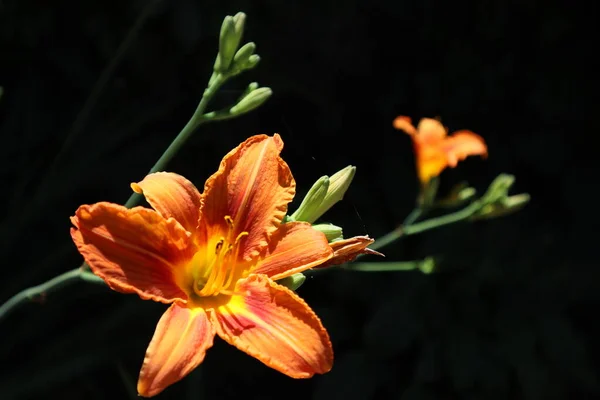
[[178, 346], [172, 196], [404, 124], [431, 160], [293, 248], [347, 250], [462, 144], [431, 130], [133, 250], [273, 324], [253, 186]]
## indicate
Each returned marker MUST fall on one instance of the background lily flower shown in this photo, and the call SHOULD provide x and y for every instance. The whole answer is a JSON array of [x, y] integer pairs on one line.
[[214, 257], [435, 150]]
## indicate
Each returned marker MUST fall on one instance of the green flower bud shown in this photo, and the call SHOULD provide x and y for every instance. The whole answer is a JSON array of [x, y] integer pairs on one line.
[[293, 282], [252, 100], [459, 195], [505, 206], [232, 30], [309, 208], [332, 232], [243, 54], [498, 189], [427, 266], [313, 206], [338, 185]]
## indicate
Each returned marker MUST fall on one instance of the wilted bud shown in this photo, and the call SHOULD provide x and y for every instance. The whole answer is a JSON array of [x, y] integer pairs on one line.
[[232, 30], [332, 232], [293, 282], [309, 208], [503, 207], [251, 101]]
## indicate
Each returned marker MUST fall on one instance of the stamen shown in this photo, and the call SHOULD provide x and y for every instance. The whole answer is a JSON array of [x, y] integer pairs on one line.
[[220, 272], [229, 221], [219, 245]]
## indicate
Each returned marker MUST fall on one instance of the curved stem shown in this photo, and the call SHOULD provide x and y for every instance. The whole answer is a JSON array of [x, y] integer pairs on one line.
[[197, 118], [45, 288], [81, 273]]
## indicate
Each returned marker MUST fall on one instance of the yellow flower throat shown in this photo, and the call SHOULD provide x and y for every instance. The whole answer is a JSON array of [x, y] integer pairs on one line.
[[215, 270]]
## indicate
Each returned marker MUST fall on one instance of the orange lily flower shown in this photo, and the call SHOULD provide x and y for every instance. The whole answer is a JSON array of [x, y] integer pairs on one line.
[[435, 150], [215, 258]]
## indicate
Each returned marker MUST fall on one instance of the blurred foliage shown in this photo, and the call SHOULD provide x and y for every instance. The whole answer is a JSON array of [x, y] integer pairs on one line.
[[510, 315]]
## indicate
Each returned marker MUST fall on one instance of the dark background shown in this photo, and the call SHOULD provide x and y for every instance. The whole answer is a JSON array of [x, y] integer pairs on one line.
[[512, 313]]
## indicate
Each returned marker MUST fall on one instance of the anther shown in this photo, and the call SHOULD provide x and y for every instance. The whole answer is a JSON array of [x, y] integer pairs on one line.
[[229, 221], [219, 245]]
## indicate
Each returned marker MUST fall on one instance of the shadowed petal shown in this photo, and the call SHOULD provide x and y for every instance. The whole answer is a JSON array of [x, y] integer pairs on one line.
[[273, 324], [293, 248], [347, 250], [178, 346], [133, 250], [172, 196], [462, 144], [253, 186]]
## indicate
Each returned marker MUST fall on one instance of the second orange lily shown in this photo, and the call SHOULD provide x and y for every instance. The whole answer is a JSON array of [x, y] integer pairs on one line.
[[435, 150], [215, 258]]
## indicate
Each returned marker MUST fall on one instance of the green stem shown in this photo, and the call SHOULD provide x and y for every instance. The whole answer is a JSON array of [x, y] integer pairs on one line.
[[45, 288], [432, 223], [81, 273], [383, 266], [197, 119]]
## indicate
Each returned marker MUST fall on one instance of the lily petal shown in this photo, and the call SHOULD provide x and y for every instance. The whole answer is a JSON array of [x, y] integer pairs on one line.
[[172, 196], [431, 160], [133, 250], [431, 130], [347, 250], [253, 186], [462, 144], [404, 123], [293, 248], [270, 322], [178, 346]]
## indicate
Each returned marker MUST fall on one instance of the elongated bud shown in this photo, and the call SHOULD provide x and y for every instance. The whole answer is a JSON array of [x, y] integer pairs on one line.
[[232, 30], [459, 195], [498, 189], [332, 232], [249, 89], [503, 207], [310, 206], [251, 101], [243, 54], [338, 185], [293, 282]]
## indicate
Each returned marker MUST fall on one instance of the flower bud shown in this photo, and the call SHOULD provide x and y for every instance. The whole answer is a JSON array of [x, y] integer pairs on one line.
[[498, 189], [251, 101], [229, 40], [293, 282], [310, 206], [338, 185], [505, 206], [332, 232]]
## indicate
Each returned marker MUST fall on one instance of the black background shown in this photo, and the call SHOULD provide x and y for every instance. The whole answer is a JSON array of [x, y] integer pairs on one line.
[[512, 313]]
